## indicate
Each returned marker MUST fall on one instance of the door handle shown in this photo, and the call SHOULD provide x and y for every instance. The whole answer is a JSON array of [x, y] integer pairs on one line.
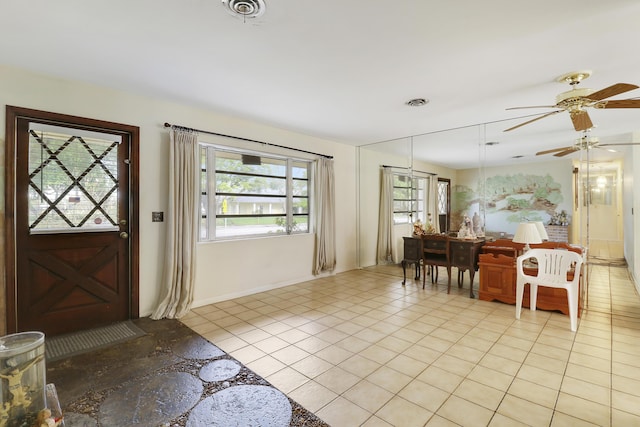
[[124, 235]]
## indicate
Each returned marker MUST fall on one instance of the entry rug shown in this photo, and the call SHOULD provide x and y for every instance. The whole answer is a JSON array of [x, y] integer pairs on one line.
[[169, 377], [62, 346]]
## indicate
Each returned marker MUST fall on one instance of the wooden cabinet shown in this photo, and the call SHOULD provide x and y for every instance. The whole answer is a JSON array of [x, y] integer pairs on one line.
[[497, 278]]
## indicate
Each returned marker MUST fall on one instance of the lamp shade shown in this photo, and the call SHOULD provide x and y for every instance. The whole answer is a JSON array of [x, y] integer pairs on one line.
[[541, 230], [527, 232]]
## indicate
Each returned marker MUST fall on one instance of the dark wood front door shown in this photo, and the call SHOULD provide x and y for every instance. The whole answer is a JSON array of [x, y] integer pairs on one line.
[[72, 224]]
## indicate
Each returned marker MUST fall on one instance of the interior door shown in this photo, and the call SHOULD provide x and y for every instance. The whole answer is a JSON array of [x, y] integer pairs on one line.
[[73, 223]]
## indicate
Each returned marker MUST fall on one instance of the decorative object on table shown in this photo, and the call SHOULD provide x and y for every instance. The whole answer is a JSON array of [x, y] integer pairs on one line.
[[527, 232], [559, 218], [22, 375], [430, 229], [418, 228], [477, 225], [466, 229]]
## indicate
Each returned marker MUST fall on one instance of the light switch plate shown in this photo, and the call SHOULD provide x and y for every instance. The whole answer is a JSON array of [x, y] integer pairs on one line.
[[157, 216]]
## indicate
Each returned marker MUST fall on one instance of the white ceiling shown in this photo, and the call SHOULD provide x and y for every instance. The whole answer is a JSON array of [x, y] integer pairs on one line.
[[344, 69]]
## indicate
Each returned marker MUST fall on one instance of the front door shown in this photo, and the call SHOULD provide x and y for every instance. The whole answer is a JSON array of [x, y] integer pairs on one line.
[[73, 222]]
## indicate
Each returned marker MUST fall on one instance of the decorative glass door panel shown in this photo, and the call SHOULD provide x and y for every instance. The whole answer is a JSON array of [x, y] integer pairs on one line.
[[73, 184]]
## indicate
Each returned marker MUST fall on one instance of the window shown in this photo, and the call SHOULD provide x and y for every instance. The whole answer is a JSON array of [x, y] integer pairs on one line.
[[252, 194], [409, 199]]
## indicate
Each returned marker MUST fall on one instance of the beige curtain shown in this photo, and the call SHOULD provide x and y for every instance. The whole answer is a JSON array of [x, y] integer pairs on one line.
[[432, 202], [182, 226], [386, 252], [324, 214]]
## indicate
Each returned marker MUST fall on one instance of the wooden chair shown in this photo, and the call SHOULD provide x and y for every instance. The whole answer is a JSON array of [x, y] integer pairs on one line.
[[435, 253], [552, 268]]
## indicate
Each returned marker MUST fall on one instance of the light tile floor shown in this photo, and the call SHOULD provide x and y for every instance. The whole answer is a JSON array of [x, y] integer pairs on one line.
[[360, 349]]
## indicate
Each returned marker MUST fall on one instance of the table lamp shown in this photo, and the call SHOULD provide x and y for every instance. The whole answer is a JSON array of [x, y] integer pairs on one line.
[[542, 231], [526, 233]]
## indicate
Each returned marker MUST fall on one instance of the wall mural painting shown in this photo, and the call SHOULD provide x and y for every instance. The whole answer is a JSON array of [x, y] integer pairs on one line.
[[508, 200]]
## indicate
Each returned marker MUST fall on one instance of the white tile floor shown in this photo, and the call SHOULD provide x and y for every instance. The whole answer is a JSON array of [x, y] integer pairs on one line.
[[358, 348]]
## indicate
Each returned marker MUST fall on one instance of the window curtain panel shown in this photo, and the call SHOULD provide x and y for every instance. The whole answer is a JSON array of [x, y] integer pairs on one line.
[[386, 253], [324, 214], [432, 203], [178, 276]]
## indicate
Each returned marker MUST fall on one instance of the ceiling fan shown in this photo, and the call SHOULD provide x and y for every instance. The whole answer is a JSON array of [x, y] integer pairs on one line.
[[577, 100], [585, 142]]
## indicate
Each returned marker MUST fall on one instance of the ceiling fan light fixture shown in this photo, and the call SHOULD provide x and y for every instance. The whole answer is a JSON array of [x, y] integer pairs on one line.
[[574, 77]]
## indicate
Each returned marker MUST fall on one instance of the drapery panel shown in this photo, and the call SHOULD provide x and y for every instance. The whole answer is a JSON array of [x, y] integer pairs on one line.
[[386, 252], [432, 203], [179, 271], [324, 214]]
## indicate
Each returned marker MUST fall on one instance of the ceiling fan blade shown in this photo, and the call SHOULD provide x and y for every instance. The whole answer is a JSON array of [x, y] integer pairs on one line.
[[619, 143], [612, 90], [568, 151], [581, 120], [533, 106], [540, 153], [622, 103], [533, 120]]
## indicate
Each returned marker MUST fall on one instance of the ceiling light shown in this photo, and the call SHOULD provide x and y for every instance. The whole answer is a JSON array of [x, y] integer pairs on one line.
[[245, 8], [417, 102]]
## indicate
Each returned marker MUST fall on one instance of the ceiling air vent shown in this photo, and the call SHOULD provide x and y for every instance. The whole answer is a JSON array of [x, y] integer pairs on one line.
[[245, 8]]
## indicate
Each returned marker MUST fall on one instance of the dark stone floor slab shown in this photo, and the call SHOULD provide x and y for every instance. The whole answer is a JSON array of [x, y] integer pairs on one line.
[[242, 406], [161, 378], [151, 402]]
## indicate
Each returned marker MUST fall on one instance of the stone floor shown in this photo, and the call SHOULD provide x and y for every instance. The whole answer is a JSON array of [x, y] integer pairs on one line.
[[169, 377]]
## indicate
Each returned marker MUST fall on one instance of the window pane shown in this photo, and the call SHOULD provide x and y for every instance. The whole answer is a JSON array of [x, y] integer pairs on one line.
[[245, 226], [300, 224]]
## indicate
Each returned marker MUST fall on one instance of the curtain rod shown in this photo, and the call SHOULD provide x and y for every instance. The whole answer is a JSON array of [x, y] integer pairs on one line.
[[400, 167], [168, 125]]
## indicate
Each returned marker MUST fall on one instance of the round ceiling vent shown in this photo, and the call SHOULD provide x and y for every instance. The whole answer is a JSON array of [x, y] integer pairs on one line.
[[417, 102], [245, 8]]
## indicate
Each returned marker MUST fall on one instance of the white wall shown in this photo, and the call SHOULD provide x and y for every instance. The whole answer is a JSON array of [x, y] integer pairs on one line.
[[225, 269], [631, 206]]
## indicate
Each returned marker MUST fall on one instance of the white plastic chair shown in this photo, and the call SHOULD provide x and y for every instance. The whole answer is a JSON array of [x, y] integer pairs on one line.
[[553, 265]]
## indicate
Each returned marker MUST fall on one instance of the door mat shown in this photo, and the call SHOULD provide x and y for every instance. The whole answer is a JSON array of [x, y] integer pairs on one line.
[[62, 346]]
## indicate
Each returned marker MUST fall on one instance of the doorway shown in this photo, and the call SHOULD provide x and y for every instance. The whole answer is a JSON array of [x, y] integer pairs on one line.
[[71, 221], [601, 210]]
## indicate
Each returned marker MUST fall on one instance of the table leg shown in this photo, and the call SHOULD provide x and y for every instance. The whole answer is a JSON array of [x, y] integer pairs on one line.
[[404, 271]]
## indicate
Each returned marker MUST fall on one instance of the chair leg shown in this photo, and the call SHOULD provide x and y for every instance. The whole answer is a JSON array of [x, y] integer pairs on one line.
[[533, 296], [448, 279], [572, 299], [519, 296], [424, 274]]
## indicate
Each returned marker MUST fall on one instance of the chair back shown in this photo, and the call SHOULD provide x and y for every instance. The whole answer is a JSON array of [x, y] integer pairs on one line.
[[553, 265], [435, 249]]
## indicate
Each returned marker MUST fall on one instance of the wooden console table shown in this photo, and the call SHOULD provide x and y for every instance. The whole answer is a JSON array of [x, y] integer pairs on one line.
[[463, 255]]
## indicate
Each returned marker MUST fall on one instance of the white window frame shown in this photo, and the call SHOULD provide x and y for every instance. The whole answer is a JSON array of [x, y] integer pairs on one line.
[[417, 199], [208, 220]]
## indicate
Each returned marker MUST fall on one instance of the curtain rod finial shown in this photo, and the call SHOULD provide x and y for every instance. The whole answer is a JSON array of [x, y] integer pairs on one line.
[[167, 125]]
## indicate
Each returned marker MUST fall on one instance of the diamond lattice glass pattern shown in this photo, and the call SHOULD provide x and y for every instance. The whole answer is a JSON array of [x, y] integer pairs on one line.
[[72, 182]]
